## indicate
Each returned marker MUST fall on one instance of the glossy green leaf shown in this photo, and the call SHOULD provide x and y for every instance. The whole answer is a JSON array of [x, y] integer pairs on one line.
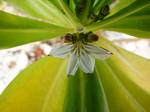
[[136, 24], [15, 30], [119, 4], [119, 84], [133, 19], [131, 73], [74, 20], [72, 6], [42, 9]]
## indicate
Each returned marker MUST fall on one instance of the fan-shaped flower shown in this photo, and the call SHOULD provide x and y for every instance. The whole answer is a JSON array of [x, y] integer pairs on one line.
[[81, 54]]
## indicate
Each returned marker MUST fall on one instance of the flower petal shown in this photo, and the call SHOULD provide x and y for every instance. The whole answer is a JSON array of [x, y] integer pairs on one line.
[[86, 62], [98, 52], [61, 50], [72, 64]]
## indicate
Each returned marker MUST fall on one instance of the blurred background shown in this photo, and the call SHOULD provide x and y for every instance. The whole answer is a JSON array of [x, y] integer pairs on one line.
[[14, 60]]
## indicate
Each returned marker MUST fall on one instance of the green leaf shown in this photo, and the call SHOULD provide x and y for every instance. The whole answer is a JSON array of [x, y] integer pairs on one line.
[[15, 30], [75, 21], [131, 78], [42, 9], [120, 4], [65, 8], [133, 20], [72, 6], [136, 24], [120, 83], [44, 79]]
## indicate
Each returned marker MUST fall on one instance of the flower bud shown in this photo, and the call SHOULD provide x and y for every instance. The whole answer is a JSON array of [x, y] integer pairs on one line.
[[105, 10], [92, 37], [68, 38]]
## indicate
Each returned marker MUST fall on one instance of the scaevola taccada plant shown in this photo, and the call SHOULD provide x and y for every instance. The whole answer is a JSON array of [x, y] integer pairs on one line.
[[120, 83], [80, 46]]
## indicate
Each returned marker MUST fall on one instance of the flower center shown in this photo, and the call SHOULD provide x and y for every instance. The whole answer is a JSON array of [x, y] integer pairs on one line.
[[79, 45]]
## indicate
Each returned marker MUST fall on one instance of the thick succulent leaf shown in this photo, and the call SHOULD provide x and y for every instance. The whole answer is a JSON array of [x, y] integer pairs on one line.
[[133, 19], [131, 72], [42, 9], [137, 24], [74, 20], [15, 30], [130, 64], [66, 9], [45, 79], [119, 84], [119, 4]]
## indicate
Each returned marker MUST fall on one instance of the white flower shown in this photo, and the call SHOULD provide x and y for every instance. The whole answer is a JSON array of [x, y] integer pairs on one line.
[[81, 55]]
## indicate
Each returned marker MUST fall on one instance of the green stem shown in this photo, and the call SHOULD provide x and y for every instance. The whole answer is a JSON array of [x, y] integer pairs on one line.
[[98, 6], [85, 13]]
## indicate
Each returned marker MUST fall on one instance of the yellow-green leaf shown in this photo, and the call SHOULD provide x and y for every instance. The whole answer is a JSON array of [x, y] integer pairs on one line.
[[119, 84]]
